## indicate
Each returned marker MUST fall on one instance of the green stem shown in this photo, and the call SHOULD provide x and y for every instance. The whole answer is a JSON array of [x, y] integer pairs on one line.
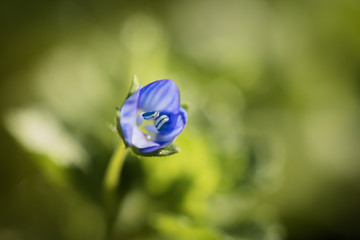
[[110, 186]]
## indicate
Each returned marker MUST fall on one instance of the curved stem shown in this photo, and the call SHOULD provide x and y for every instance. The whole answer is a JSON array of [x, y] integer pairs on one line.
[[110, 186]]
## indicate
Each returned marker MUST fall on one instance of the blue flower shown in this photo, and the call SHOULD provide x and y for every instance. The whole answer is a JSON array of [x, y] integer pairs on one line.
[[151, 118]]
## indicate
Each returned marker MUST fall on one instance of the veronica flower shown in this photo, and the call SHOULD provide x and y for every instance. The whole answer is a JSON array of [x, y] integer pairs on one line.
[[152, 118]]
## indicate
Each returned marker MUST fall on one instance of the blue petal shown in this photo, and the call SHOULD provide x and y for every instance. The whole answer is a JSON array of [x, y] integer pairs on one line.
[[150, 149], [161, 95], [128, 113], [132, 134], [139, 120], [151, 129], [177, 123], [139, 140]]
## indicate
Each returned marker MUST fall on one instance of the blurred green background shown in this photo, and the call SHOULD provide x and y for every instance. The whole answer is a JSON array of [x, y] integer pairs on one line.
[[271, 147]]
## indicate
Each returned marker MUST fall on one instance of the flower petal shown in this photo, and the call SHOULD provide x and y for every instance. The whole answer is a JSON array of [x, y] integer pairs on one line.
[[150, 149], [177, 123], [161, 95], [139, 140], [128, 113], [132, 134]]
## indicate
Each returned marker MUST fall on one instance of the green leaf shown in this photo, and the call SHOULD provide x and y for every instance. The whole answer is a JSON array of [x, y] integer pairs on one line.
[[134, 86], [166, 151]]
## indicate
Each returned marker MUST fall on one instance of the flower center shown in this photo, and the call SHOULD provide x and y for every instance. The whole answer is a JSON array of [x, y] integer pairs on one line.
[[150, 123]]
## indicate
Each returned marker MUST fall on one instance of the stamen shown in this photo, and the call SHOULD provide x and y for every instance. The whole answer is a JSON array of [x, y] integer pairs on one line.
[[160, 121], [150, 115]]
